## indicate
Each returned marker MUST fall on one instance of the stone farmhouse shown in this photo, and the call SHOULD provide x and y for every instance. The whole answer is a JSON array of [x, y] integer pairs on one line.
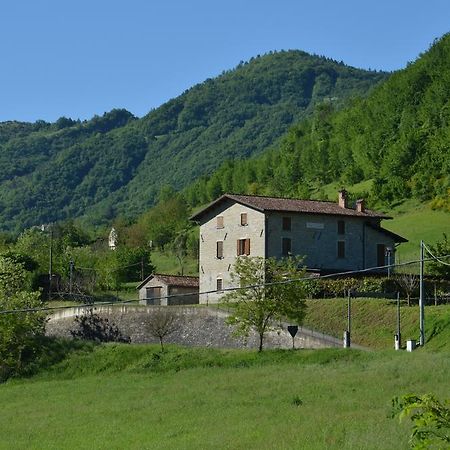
[[160, 289], [332, 237]]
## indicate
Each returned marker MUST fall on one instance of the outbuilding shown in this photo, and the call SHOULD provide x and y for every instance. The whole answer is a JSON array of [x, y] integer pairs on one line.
[[161, 289]]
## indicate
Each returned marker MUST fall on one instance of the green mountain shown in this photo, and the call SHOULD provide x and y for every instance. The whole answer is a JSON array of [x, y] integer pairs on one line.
[[116, 164], [395, 144]]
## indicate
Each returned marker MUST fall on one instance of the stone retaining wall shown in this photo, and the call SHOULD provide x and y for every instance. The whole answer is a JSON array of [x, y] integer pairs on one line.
[[199, 326]]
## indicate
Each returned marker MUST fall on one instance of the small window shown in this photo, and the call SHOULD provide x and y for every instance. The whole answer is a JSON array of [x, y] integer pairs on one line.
[[244, 219], [341, 249], [286, 246], [219, 284], [219, 249], [286, 224], [341, 227], [381, 252], [219, 222], [243, 247]]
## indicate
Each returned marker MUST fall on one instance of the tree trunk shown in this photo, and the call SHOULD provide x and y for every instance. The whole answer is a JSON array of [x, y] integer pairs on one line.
[[261, 338], [161, 342]]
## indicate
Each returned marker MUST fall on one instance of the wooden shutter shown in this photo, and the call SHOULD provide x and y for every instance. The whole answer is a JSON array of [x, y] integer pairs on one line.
[[219, 222], [341, 249], [219, 284], [286, 246], [247, 246], [244, 219], [286, 225], [219, 249], [381, 251]]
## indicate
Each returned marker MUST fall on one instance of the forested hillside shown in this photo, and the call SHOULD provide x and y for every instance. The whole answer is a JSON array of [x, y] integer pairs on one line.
[[116, 164], [398, 138]]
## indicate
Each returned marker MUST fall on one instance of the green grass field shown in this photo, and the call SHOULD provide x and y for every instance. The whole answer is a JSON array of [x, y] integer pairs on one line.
[[168, 263], [374, 321], [417, 222], [133, 397], [118, 396]]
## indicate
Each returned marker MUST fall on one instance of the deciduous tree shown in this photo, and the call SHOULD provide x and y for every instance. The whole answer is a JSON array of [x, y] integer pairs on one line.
[[267, 295]]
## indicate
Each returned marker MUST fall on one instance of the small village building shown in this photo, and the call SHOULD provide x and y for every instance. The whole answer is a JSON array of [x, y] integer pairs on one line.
[[332, 236], [160, 289], [112, 239]]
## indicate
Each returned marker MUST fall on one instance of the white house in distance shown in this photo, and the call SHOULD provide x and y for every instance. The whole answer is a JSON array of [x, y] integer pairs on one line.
[[333, 237]]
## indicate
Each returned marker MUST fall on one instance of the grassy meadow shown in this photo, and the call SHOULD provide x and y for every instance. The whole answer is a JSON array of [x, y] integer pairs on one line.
[[374, 321], [117, 396]]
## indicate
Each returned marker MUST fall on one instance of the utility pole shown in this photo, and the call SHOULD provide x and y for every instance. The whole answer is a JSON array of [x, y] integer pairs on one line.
[[421, 298], [398, 337], [142, 269], [347, 340], [50, 268], [71, 265]]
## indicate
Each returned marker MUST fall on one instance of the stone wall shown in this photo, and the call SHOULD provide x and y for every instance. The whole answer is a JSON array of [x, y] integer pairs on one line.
[[199, 326]]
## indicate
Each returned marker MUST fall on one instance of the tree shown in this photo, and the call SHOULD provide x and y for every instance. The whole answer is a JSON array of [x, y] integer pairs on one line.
[[19, 332], [162, 322], [441, 265], [260, 304], [431, 420], [408, 282]]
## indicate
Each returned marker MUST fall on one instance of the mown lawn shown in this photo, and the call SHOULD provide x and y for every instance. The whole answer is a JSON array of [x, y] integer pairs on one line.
[[134, 397]]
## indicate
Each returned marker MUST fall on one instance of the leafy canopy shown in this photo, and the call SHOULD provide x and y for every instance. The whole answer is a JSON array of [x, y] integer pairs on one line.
[[19, 332], [266, 297]]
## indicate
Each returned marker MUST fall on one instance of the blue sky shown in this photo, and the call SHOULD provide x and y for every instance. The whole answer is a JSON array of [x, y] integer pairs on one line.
[[85, 57]]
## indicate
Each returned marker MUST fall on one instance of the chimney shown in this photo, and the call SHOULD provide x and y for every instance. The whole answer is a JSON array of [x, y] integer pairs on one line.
[[343, 198], [360, 205]]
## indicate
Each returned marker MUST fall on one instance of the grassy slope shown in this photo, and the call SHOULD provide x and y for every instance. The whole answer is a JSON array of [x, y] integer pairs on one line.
[[134, 397], [374, 322], [168, 263], [416, 222]]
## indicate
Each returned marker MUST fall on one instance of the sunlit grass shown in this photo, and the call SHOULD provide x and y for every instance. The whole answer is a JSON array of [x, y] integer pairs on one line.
[[333, 399]]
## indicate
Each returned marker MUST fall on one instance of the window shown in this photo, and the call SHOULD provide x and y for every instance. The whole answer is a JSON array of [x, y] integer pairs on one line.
[[219, 223], [219, 249], [341, 227], [219, 284], [153, 292], [381, 251], [341, 249], [243, 247], [285, 246], [244, 219], [286, 224]]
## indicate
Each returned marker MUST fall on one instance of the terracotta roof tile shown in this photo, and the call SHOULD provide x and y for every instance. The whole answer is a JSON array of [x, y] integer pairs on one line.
[[291, 205]]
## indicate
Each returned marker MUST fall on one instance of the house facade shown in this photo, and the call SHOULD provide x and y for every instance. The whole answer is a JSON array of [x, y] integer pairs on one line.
[[331, 236], [161, 289]]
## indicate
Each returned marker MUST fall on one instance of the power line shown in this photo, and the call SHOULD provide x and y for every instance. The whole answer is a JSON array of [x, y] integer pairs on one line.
[[435, 257], [229, 289]]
